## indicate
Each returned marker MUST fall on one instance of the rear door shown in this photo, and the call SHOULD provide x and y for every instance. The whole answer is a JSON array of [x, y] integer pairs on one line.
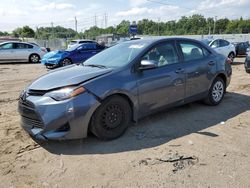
[[7, 52], [199, 66], [164, 84]]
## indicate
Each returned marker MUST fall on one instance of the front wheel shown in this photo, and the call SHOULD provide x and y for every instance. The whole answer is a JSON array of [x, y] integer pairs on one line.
[[66, 62], [111, 119], [216, 92]]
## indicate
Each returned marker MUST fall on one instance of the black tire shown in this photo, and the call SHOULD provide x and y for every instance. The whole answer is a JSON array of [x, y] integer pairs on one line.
[[34, 58], [231, 56], [111, 119], [215, 96], [51, 66], [65, 62]]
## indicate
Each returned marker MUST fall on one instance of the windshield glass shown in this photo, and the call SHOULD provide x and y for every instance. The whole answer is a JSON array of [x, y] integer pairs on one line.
[[73, 42], [72, 48], [118, 55], [206, 41]]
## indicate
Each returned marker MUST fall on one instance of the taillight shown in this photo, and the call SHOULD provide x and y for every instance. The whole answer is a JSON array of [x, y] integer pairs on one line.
[[229, 61], [43, 50]]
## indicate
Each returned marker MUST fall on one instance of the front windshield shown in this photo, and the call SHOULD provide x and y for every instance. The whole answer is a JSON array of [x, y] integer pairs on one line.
[[72, 48], [206, 41], [118, 55]]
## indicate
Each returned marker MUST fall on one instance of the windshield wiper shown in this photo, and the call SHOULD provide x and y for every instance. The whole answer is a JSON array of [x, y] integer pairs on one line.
[[99, 66]]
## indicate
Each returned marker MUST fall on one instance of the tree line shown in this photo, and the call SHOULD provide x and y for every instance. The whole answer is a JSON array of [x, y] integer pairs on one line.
[[192, 25]]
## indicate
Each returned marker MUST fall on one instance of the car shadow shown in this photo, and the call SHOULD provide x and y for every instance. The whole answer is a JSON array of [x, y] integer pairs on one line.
[[159, 129], [19, 63]]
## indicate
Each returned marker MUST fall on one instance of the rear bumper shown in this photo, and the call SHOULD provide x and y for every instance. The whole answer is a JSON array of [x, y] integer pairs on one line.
[[247, 63], [46, 119]]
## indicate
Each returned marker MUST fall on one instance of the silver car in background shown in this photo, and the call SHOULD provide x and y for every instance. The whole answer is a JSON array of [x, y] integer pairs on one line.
[[20, 52]]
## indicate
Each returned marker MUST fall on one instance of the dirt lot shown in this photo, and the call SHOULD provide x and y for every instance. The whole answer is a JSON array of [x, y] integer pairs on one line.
[[190, 146]]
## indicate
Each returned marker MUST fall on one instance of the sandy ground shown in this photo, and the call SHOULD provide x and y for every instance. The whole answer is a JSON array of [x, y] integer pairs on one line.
[[190, 146]]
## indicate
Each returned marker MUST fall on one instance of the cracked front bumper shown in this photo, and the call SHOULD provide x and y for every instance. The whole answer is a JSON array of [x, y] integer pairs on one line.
[[44, 118]]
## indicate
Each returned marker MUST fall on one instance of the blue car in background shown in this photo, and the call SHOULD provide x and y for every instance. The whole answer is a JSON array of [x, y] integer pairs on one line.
[[76, 54]]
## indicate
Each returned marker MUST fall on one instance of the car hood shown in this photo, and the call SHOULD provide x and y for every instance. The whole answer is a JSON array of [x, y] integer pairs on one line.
[[66, 76], [53, 54]]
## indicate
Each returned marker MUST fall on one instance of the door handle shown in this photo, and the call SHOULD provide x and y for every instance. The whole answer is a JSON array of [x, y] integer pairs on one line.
[[179, 71], [211, 63]]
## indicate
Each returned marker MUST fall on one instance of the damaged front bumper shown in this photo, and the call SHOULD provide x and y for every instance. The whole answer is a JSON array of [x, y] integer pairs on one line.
[[46, 119]]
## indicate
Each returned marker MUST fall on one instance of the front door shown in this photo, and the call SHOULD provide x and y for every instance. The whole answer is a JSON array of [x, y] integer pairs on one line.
[[7, 52], [163, 85]]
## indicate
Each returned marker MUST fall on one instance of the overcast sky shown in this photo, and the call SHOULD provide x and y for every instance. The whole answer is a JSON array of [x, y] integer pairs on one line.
[[37, 13]]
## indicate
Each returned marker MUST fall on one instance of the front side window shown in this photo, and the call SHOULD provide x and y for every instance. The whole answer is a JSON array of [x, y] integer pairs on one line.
[[7, 46], [162, 54], [88, 46], [192, 51]]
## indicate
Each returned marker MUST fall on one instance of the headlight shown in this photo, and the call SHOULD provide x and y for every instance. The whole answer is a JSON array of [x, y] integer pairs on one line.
[[65, 93], [54, 59]]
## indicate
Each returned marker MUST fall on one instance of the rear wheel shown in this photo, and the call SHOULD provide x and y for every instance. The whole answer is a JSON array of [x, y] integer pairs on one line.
[[216, 92], [34, 58], [231, 56], [111, 119]]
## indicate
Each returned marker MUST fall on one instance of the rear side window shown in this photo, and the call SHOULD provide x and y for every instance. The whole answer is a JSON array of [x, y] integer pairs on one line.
[[162, 54], [224, 43], [89, 46], [192, 51], [22, 46]]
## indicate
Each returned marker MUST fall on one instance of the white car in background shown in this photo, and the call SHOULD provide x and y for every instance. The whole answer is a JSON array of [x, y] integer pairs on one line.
[[223, 47], [80, 41], [20, 52]]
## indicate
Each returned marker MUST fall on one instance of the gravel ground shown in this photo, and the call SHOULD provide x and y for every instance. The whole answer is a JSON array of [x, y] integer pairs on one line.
[[190, 146]]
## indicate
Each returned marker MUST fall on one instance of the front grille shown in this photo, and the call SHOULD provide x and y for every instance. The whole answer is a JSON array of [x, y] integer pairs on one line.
[[26, 103], [32, 123], [32, 92]]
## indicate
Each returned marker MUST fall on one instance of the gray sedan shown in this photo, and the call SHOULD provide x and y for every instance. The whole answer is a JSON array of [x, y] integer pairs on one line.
[[122, 84], [20, 52]]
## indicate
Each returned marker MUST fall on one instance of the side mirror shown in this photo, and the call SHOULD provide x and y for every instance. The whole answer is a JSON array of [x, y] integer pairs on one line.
[[147, 64]]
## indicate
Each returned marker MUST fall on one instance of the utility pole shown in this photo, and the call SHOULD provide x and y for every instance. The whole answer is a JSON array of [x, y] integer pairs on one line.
[[75, 24], [159, 26], [37, 32], [53, 34], [215, 18], [106, 20], [95, 20]]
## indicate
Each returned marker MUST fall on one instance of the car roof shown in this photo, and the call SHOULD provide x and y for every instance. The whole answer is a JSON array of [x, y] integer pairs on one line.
[[159, 39], [79, 40], [33, 44]]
